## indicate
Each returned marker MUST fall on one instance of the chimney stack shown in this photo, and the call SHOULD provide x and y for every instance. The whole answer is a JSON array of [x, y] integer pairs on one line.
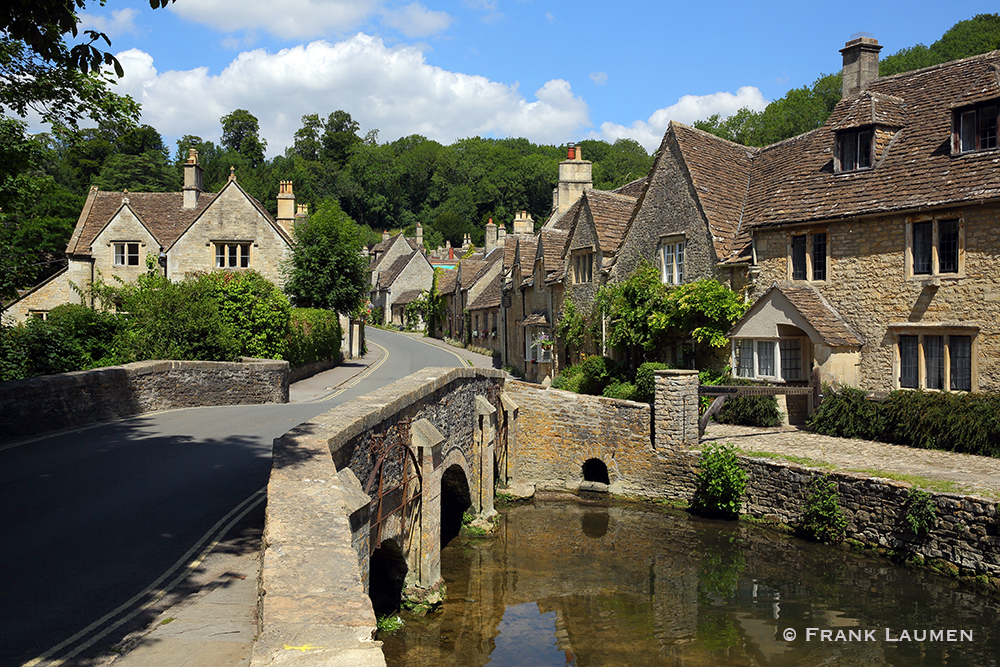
[[192, 179], [420, 237], [501, 235], [385, 234], [860, 64], [575, 176], [286, 206], [491, 236], [523, 224]]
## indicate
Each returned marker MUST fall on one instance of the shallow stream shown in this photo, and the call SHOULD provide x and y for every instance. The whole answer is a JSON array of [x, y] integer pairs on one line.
[[577, 583]]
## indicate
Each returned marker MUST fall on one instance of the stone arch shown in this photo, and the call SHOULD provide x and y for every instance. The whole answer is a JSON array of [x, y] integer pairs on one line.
[[456, 495], [595, 470], [386, 577]]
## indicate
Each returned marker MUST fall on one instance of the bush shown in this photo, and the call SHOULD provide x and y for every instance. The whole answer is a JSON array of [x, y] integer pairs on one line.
[[597, 373], [619, 389], [720, 483], [254, 307], [921, 512], [314, 335], [567, 376], [847, 414], [748, 410], [822, 519], [645, 380]]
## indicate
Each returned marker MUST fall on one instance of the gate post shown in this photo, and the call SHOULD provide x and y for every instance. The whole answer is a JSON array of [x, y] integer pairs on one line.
[[676, 408], [427, 442]]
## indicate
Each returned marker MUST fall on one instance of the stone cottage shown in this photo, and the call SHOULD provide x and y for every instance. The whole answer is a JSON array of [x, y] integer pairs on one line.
[[180, 232]]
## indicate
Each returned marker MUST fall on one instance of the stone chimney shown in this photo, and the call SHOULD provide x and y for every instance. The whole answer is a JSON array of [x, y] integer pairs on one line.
[[466, 242], [419, 237], [286, 206], [501, 234], [860, 64], [575, 176], [192, 179], [385, 234], [491, 236], [523, 224]]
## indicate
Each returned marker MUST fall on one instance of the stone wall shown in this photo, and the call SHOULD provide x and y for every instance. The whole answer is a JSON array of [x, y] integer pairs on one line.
[[52, 402]]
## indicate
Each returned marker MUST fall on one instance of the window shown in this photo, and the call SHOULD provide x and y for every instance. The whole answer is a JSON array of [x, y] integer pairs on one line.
[[935, 360], [126, 254], [975, 129], [672, 261], [934, 247], [760, 358], [232, 255], [583, 267], [854, 150], [807, 256]]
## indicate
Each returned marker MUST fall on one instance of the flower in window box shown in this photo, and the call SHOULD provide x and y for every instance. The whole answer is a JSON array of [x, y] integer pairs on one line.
[[544, 341], [475, 333]]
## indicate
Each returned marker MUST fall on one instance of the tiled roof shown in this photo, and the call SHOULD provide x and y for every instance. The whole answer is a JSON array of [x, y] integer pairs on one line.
[[827, 322], [162, 213], [793, 181], [528, 248], [551, 247], [720, 176], [389, 275], [406, 297], [871, 108], [611, 215], [509, 249], [468, 271], [489, 297], [539, 319], [446, 281], [633, 189], [565, 221]]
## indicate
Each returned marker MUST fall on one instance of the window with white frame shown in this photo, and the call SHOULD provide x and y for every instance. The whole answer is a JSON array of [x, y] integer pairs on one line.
[[127, 253], [537, 346], [854, 150], [934, 247], [232, 255], [776, 359], [975, 128], [935, 359], [807, 256], [583, 267], [671, 258]]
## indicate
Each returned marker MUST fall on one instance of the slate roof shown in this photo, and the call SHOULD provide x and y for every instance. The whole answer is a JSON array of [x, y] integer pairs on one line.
[[611, 213], [162, 213], [552, 248], [817, 311], [406, 297], [387, 277], [447, 280], [468, 271], [539, 319], [489, 297], [872, 108], [633, 189], [529, 247], [793, 181]]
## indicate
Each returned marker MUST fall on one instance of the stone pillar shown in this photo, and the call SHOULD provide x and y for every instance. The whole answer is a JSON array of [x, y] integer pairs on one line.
[[676, 409], [510, 412], [427, 442], [486, 417]]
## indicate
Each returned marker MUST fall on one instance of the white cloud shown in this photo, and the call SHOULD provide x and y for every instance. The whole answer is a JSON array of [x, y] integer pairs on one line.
[[687, 110], [119, 22], [600, 78], [289, 19], [415, 20], [392, 89]]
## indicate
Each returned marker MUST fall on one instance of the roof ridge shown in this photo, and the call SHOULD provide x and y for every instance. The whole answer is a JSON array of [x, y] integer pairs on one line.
[[979, 56]]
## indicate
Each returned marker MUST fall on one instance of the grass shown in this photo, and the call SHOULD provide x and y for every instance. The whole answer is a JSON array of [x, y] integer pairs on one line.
[[389, 623], [800, 460]]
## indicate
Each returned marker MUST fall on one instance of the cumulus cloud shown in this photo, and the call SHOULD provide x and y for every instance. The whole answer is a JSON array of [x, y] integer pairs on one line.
[[119, 22], [290, 19], [600, 78], [391, 89], [687, 110], [415, 20]]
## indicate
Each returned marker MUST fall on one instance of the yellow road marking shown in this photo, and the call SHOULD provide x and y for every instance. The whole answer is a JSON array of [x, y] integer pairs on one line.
[[303, 648], [357, 378]]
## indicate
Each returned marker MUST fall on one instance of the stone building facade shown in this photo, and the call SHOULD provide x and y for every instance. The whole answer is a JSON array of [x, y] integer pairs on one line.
[[181, 232]]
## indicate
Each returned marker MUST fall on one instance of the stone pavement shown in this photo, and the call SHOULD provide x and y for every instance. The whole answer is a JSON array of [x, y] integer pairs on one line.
[[923, 468]]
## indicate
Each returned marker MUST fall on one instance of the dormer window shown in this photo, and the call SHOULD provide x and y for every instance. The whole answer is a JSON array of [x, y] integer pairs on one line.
[[854, 150], [975, 129]]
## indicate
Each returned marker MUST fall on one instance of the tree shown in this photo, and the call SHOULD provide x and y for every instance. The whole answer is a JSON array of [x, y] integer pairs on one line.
[[241, 134], [327, 268], [340, 135]]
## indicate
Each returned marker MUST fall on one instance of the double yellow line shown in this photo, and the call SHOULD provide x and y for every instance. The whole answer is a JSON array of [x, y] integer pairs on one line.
[[357, 378]]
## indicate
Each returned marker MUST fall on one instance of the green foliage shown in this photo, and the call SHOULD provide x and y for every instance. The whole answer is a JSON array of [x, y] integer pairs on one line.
[[720, 483], [920, 512], [569, 378], [596, 373], [314, 335], [327, 268], [620, 389], [389, 623], [255, 308], [241, 134], [572, 327], [979, 34], [73, 338], [630, 306], [822, 519], [960, 422], [434, 304], [747, 410], [645, 380]]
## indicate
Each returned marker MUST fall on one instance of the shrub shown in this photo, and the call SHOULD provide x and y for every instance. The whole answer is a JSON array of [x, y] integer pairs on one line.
[[597, 373], [13, 356], [921, 512], [645, 380], [748, 410], [570, 375], [625, 391], [314, 335], [822, 519], [254, 307], [846, 413], [720, 483]]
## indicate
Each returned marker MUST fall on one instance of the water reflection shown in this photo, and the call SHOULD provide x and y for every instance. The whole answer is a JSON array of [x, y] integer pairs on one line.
[[603, 584]]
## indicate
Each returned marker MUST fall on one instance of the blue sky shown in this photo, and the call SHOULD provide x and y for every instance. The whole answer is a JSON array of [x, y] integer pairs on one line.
[[551, 71]]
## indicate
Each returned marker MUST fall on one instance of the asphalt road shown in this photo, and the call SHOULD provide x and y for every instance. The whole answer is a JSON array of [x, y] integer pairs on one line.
[[99, 523]]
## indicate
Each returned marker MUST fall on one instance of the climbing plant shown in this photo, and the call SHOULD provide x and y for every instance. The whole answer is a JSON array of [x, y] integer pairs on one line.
[[822, 519], [920, 512], [720, 483]]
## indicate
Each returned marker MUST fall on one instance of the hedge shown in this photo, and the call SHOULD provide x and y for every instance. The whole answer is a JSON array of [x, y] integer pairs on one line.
[[315, 335]]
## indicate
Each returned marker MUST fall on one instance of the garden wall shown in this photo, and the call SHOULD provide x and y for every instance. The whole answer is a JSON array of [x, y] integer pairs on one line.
[[52, 402]]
